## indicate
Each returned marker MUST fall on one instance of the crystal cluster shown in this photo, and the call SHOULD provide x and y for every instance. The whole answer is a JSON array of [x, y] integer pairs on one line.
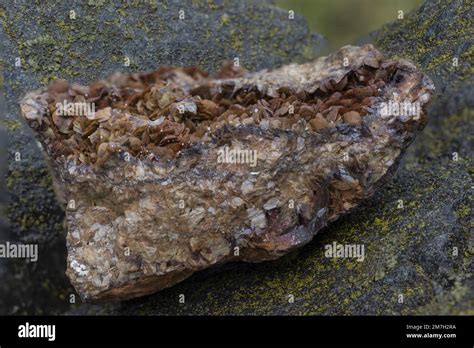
[[137, 161]]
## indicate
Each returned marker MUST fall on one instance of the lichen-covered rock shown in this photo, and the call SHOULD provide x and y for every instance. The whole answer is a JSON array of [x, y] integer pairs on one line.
[[39, 43], [439, 37]]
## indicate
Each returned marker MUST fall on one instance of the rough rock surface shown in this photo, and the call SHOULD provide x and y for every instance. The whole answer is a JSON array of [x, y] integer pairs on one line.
[[409, 251], [128, 236]]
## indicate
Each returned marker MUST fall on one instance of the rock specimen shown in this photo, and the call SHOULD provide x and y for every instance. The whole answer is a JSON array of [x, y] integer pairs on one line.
[[173, 171], [50, 44]]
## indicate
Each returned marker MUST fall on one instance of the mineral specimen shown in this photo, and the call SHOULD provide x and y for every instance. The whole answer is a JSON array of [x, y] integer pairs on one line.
[[166, 173]]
